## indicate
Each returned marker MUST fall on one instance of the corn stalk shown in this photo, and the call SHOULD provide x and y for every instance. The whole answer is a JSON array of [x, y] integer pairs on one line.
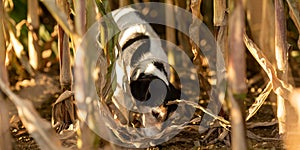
[[63, 111], [198, 59], [237, 76], [281, 59], [171, 37], [4, 114], [123, 3], [219, 12], [34, 51], [293, 121]]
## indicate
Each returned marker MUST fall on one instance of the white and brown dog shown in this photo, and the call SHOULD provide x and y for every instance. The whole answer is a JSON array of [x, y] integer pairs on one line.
[[147, 72]]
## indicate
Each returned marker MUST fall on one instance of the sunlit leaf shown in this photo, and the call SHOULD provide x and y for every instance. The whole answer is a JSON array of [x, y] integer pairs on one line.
[[60, 16]]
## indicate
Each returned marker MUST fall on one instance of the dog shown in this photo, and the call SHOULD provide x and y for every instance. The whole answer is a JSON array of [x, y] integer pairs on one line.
[[142, 70]]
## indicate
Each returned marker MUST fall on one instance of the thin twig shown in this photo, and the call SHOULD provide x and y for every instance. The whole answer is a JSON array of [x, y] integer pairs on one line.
[[251, 125], [259, 138], [195, 105]]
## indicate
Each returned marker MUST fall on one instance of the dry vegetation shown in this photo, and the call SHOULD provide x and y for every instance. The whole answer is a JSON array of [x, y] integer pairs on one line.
[[259, 40]]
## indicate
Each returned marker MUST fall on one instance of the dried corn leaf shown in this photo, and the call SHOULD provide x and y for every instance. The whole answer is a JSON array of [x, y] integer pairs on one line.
[[3, 74], [38, 128], [66, 94], [279, 87], [295, 15], [64, 111], [259, 101], [60, 16], [18, 47]]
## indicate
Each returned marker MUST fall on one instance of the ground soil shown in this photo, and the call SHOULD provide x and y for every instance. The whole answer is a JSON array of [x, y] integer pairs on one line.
[[47, 89]]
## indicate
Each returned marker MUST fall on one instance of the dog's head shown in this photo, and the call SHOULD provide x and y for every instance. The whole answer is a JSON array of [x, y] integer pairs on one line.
[[150, 81]]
